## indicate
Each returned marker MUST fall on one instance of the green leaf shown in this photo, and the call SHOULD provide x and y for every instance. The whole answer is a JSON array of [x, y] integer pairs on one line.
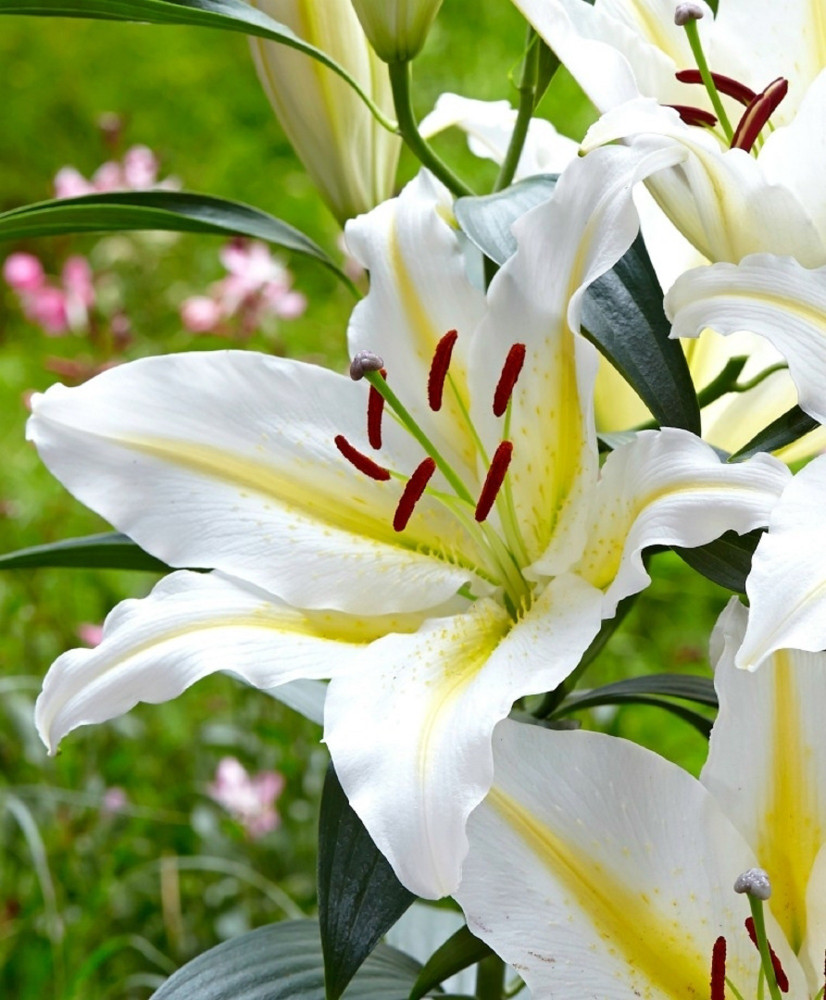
[[461, 950], [359, 896], [284, 962], [109, 550], [229, 15], [786, 429], [623, 315], [726, 560], [178, 211], [487, 219]]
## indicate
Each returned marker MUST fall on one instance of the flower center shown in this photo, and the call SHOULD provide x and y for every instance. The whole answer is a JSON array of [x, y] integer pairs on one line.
[[502, 550]]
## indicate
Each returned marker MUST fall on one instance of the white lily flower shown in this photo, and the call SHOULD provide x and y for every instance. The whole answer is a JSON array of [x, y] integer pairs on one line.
[[432, 604], [351, 158], [596, 868]]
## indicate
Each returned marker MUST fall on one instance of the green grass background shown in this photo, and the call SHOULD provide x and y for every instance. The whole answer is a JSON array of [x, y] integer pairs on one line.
[[103, 906]]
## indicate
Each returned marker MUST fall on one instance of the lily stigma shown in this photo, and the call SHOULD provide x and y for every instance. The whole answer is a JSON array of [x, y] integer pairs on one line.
[[437, 544]]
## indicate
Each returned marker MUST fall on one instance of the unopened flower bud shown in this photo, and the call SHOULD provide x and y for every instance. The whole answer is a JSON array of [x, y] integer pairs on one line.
[[754, 882], [686, 12], [397, 29]]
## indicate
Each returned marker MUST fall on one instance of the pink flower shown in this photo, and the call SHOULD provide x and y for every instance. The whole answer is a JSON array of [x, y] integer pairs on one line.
[[140, 168], [137, 171], [46, 306], [114, 800], [89, 633], [70, 183], [201, 314], [249, 799], [23, 272]]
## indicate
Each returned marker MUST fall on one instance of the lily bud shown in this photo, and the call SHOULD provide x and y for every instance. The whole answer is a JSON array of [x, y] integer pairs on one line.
[[351, 158], [396, 28]]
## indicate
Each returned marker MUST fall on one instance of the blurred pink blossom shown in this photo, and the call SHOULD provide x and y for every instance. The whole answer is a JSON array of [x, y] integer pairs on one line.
[[114, 800], [57, 306], [23, 272], [89, 633], [136, 171], [257, 286], [249, 799]]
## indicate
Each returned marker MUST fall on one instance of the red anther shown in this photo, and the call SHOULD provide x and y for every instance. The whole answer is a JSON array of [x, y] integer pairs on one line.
[[718, 970], [413, 489], [361, 462], [694, 116], [494, 480], [731, 88], [507, 380], [758, 113], [779, 974], [438, 369], [375, 408]]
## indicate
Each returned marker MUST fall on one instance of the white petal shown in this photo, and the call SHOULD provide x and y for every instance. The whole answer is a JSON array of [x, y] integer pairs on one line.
[[598, 869], [227, 460], [812, 958], [304, 697], [410, 733], [775, 297], [670, 488], [767, 764], [190, 626], [419, 290], [787, 583]]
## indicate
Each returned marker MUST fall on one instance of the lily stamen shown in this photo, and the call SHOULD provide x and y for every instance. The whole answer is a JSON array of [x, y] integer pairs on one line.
[[493, 480], [725, 84], [361, 461], [412, 493], [438, 369], [718, 970], [758, 113], [375, 409], [694, 116], [507, 380]]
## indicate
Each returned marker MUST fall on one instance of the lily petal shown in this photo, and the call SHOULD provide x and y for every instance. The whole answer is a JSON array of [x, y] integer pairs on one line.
[[775, 297], [420, 760], [584, 875], [190, 626], [771, 724], [227, 460], [787, 583], [670, 488]]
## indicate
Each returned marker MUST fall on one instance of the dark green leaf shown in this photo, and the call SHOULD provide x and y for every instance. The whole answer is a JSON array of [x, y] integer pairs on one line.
[[109, 550], [229, 15], [179, 211], [688, 686], [283, 962], [487, 219], [622, 313], [726, 561], [548, 65], [359, 896], [788, 427], [460, 950]]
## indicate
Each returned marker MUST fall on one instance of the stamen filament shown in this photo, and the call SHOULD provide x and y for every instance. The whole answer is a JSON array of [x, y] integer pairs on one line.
[[438, 369], [412, 493], [375, 409], [507, 380], [697, 48], [725, 84], [718, 970], [494, 479], [694, 116], [360, 461], [758, 113]]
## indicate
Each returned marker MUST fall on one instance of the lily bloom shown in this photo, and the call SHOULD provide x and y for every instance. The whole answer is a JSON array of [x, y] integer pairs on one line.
[[439, 540], [596, 868]]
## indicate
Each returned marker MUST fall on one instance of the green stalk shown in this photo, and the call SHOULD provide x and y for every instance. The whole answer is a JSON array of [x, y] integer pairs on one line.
[[699, 56], [400, 74], [490, 978], [763, 945], [527, 104]]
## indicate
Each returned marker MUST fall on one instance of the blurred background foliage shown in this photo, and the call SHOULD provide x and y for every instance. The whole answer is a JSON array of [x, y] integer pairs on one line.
[[97, 902]]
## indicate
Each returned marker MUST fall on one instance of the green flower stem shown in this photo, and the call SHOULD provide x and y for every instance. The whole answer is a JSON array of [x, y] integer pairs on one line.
[[527, 103], [763, 945], [409, 131], [696, 47], [490, 978]]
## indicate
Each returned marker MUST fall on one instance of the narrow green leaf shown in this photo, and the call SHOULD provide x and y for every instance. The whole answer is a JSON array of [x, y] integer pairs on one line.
[[786, 429], [691, 687], [461, 950], [229, 15], [623, 315], [178, 211], [487, 219], [726, 561], [359, 896], [700, 722], [284, 962], [109, 550]]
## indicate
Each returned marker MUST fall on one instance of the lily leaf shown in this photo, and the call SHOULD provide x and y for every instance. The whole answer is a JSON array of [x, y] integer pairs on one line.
[[461, 950], [229, 15], [178, 211], [726, 560], [786, 429], [109, 550], [359, 896], [623, 315], [487, 219], [284, 962]]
